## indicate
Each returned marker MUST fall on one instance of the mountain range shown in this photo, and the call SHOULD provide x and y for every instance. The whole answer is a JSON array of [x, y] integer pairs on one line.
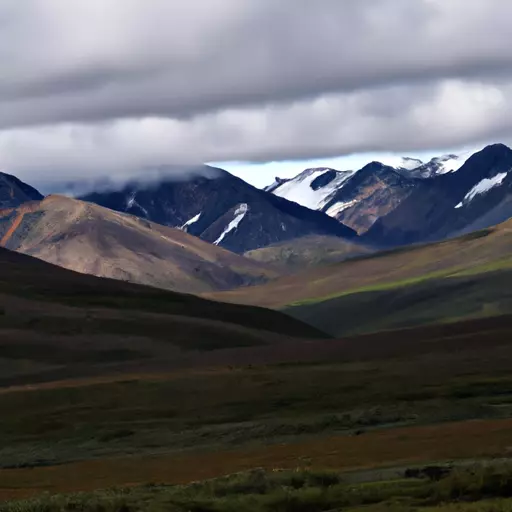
[[302, 335], [212, 231], [221, 209], [476, 196], [414, 201]]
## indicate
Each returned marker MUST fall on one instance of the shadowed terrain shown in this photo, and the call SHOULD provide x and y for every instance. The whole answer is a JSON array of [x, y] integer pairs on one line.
[[56, 323]]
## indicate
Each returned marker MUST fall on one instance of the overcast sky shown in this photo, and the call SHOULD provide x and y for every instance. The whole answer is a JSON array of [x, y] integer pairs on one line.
[[114, 87]]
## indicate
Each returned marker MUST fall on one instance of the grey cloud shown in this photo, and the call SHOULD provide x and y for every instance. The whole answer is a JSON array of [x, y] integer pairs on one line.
[[124, 88], [101, 59], [440, 115]]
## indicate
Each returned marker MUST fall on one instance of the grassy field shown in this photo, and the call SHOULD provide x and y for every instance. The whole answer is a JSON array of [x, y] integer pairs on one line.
[[481, 252], [108, 385], [391, 399], [57, 324], [464, 278], [478, 488], [420, 301]]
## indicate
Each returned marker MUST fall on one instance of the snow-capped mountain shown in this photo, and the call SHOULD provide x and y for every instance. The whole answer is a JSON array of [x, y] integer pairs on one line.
[[312, 188], [221, 209], [385, 204], [477, 195], [359, 198], [277, 183], [438, 165], [402, 163]]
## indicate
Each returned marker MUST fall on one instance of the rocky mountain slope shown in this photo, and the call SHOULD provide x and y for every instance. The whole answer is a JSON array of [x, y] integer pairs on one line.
[[14, 192], [370, 194], [477, 195], [405, 200], [221, 209], [357, 199], [94, 240]]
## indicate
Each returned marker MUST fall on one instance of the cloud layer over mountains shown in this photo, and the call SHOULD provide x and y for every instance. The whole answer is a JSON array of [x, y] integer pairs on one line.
[[114, 85]]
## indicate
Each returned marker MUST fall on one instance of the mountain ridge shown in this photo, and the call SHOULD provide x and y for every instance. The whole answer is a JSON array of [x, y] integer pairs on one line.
[[450, 203], [91, 239], [14, 192], [211, 207]]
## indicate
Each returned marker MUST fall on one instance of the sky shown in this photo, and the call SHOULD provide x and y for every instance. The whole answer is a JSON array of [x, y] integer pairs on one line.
[[113, 89]]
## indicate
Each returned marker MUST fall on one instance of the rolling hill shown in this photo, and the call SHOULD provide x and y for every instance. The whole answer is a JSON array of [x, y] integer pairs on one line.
[[56, 322], [309, 251], [445, 281], [94, 240], [421, 302]]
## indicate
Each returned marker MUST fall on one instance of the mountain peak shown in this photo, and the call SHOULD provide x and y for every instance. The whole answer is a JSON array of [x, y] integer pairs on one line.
[[404, 163], [13, 192], [498, 149], [492, 156], [377, 168]]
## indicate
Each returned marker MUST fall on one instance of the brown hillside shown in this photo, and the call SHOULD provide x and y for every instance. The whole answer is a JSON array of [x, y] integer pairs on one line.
[[94, 240]]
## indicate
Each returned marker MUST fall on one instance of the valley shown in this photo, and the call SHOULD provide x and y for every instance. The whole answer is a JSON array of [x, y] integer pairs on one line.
[[257, 354]]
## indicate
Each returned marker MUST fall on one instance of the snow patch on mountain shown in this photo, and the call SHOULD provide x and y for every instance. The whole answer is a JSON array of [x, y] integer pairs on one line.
[[482, 187], [240, 213], [299, 189], [400, 162], [452, 163], [442, 165], [437, 166], [193, 220], [337, 208], [131, 202], [277, 183]]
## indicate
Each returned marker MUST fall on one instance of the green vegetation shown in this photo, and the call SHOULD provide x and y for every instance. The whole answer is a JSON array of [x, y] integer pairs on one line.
[[474, 489], [109, 385], [373, 384], [501, 264], [428, 301], [381, 286], [473, 254]]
